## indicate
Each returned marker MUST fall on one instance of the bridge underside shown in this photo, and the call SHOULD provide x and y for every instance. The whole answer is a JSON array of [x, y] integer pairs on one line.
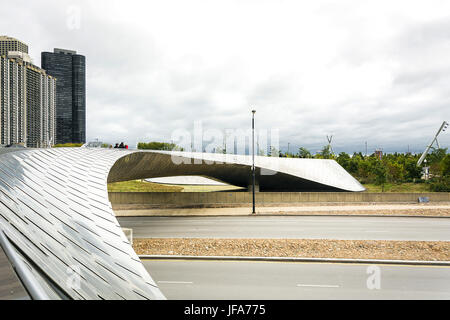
[[144, 165]]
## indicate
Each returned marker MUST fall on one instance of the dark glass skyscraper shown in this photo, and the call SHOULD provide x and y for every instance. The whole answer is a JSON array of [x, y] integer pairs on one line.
[[69, 69]]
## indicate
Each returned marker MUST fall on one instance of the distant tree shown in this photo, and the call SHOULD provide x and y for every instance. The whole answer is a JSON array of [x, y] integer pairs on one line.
[[412, 171], [365, 169], [304, 153], [394, 172], [445, 166], [441, 183], [343, 159], [325, 153], [434, 161], [353, 166], [359, 157], [159, 146], [380, 174], [436, 156]]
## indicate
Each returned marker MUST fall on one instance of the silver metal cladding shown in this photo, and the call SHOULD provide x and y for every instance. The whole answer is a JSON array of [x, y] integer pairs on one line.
[[54, 209]]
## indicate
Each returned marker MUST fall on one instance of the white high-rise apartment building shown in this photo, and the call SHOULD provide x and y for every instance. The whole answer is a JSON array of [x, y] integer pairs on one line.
[[8, 44], [27, 99]]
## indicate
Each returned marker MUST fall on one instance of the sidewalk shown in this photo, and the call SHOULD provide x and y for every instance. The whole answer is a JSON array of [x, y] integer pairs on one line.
[[422, 210]]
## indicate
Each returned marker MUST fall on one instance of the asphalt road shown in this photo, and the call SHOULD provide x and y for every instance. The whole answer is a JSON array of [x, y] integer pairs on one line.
[[336, 227], [216, 280]]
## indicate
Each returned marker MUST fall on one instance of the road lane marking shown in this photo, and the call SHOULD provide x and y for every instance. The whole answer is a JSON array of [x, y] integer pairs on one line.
[[175, 282], [318, 285]]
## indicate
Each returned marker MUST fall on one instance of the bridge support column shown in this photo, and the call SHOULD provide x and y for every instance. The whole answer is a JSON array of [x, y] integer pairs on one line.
[[250, 185]]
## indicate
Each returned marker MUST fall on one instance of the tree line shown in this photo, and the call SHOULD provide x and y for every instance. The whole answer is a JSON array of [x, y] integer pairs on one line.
[[392, 168], [158, 146]]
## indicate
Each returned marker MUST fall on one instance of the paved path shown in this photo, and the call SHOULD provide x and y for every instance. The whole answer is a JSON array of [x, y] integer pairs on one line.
[[268, 280], [291, 227]]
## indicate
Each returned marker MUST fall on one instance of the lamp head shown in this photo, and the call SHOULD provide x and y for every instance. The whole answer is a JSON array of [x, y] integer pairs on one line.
[[253, 111]]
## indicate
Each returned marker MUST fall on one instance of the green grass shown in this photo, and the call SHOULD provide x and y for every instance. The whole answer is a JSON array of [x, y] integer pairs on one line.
[[141, 186], [200, 188], [144, 186], [68, 145], [402, 187]]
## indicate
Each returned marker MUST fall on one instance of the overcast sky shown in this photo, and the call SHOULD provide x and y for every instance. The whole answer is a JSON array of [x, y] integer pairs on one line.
[[376, 71]]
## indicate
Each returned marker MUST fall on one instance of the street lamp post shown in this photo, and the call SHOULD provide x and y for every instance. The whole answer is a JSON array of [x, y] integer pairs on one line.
[[253, 155], [426, 170]]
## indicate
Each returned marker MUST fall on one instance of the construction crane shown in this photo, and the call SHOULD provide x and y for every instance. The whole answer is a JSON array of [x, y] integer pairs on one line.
[[424, 154]]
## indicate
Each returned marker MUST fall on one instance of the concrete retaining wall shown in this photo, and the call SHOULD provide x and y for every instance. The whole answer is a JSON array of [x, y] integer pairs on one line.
[[230, 198]]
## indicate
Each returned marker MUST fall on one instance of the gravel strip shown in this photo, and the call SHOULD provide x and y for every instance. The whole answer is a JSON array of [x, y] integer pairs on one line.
[[345, 249]]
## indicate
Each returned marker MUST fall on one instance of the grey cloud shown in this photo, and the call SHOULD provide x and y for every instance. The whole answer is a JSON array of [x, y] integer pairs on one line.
[[136, 92]]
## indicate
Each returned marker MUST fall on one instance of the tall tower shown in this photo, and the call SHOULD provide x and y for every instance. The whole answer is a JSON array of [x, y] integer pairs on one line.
[[8, 44], [69, 68], [27, 98]]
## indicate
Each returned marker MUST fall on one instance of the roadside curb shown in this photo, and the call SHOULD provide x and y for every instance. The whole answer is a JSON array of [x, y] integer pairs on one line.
[[275, 215], [295, 259], [348, 215]]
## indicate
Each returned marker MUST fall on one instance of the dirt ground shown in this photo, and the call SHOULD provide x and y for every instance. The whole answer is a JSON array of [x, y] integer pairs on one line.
[[348, 249]]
